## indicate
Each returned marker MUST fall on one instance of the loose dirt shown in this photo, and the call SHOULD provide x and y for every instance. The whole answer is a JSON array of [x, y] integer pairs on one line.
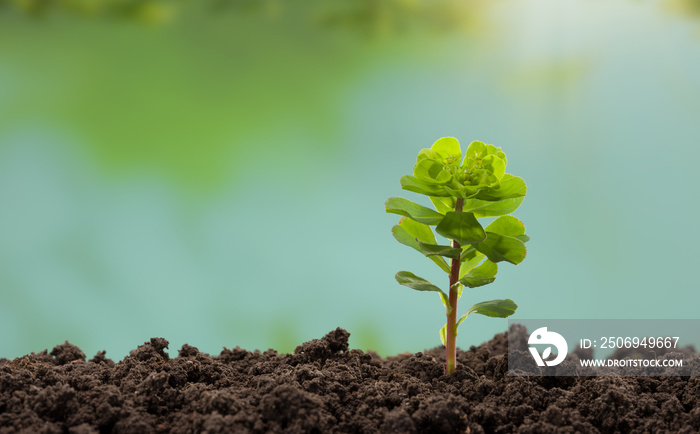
[[323, 388]]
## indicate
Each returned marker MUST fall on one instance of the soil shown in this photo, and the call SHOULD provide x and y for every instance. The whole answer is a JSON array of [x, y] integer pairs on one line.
[[324, 387]]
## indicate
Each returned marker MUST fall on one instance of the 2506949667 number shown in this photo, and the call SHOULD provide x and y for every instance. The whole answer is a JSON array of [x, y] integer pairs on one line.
[[637, 342]]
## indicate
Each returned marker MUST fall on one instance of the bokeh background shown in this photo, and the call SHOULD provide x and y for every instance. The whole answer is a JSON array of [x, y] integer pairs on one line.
[[215, 172]]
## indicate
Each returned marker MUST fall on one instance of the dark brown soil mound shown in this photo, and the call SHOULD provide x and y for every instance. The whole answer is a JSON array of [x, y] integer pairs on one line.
[[324, 387]]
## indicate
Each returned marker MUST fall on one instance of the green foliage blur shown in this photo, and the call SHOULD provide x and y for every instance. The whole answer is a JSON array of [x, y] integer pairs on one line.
[[331, 41], [365, 16]]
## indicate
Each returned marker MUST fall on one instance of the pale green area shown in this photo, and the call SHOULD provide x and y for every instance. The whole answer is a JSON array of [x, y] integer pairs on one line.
[[220, 179]]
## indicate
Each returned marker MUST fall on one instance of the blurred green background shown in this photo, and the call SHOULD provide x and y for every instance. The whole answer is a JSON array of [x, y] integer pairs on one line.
[[215, 172]]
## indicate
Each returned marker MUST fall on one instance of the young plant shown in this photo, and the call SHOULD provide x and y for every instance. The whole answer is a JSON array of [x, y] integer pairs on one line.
[[462, 191]]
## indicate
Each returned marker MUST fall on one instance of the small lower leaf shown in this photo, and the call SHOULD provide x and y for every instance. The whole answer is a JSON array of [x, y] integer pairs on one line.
[[419, 231], [481, 275], [446, 302], [419, 213], [410, 233], [502, 248], [403, 237], [494, 309], [469, 264], [409, 279], [435, 250], [507, 225], [443, 335]]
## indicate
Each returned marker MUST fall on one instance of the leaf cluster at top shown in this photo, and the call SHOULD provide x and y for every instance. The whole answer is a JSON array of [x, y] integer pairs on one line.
[[441, 172]]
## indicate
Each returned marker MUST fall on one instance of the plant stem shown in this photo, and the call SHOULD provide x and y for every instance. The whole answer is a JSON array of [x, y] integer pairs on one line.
[[451, 332]]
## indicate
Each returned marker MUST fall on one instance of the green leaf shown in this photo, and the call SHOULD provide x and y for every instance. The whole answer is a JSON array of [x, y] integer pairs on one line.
[[469, 253], [446, 302], [446, 251], [469, 261], [431, 172], [411, 183], [409, 279], [502, 248], [404, 237], [481, 275], [443, 204], [482, 178], [499, 153], [493, 308], [448, 148], [511, 186], [524, 238], [494, 165], [410, 233], [427, 153], [461, 227], [507, 225], [476, 150], [463, 192], [443, 335], [419, 213], [419, 231], [486, 208]]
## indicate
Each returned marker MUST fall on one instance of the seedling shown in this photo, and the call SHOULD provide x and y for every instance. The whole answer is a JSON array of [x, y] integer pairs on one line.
[[462, 191]]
